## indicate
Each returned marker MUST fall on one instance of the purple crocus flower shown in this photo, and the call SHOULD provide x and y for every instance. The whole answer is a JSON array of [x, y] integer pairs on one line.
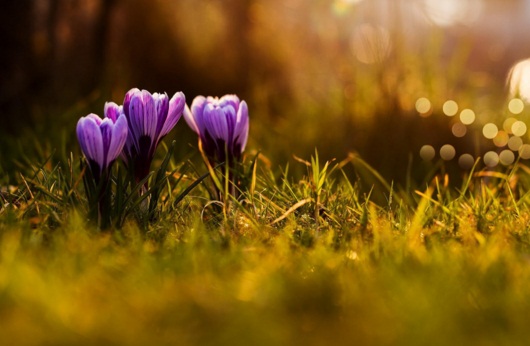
[[222, 125], [150, 117], [101, 141]]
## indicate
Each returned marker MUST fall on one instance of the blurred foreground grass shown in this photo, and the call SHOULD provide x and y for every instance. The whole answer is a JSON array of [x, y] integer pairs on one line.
[[293, 264]]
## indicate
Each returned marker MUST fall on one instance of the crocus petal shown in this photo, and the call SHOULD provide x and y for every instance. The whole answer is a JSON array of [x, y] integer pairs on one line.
[[149, 120], [112, 111], [190, 120], [106, 135], [215, 122], [94, 117], [127, 100], [90, 140], [176, 107], [197, 111], [161, 109], [242, 125], [232, 100], [119, 137], [229, 113]]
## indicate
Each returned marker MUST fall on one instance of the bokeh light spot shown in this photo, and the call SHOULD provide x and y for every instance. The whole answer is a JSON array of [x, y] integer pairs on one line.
[[491, 159], [467, 116], [447, 152], [519, 128], [506, 157], [507, 124], [370, 44], [466, 161], [459, 130], [451, 12], [423, 106], [490, 131], [516, 105], [427, 152], [450, 108], [524, 151], [501, 139], [515, 143], [520, 80]]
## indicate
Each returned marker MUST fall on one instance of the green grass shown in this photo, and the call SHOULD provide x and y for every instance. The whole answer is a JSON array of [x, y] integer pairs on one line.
[[313, 261]]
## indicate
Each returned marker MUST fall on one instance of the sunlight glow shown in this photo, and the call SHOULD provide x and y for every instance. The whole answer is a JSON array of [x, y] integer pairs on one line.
[[371, 44], [447, 152], [507, 124], [519, 80], [466, 161], [491, 159], [427, 152], [516, 105], [490, 130], [506, 157], [524, 151], [423, 106], [467, 116], [450, 108], [515, 143], [459, 130], [519, 128], [501, 139], [341, 7], [452, 12]]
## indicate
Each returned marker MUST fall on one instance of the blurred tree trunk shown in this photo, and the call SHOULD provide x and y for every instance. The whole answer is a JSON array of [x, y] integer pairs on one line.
[[240, 28], [16, 68]]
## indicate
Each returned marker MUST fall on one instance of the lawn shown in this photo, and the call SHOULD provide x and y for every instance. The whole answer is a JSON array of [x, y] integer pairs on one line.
[[442, 265], [368, 185]]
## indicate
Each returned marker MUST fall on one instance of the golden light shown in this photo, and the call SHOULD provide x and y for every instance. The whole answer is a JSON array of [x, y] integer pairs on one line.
[[507, 124], [342, 7], [466, 161], [501, 139], [490, 130], [459, 130], [371, 44], [519, 128], [516, 106], [467, 116], [491, 159], [524, 151], [515, 143], [450, 108], [452, 12], [519, 80], [506, 157], [427, 152], [423, 106], [447, 152]]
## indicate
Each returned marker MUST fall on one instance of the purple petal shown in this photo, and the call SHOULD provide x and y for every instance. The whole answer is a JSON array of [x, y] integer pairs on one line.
[[161, 108], [188, 116], [232, 100], [229, 113], [242, 126], [106, 136], [215, 122], [127, 100], [149, 122], [112, 111], [136, 114], [176, 107], [95, 117], [90, 139], [119, 137], [197, 112]]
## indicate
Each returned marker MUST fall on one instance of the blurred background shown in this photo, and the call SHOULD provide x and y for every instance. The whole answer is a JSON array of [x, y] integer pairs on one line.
[[407, 84]]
